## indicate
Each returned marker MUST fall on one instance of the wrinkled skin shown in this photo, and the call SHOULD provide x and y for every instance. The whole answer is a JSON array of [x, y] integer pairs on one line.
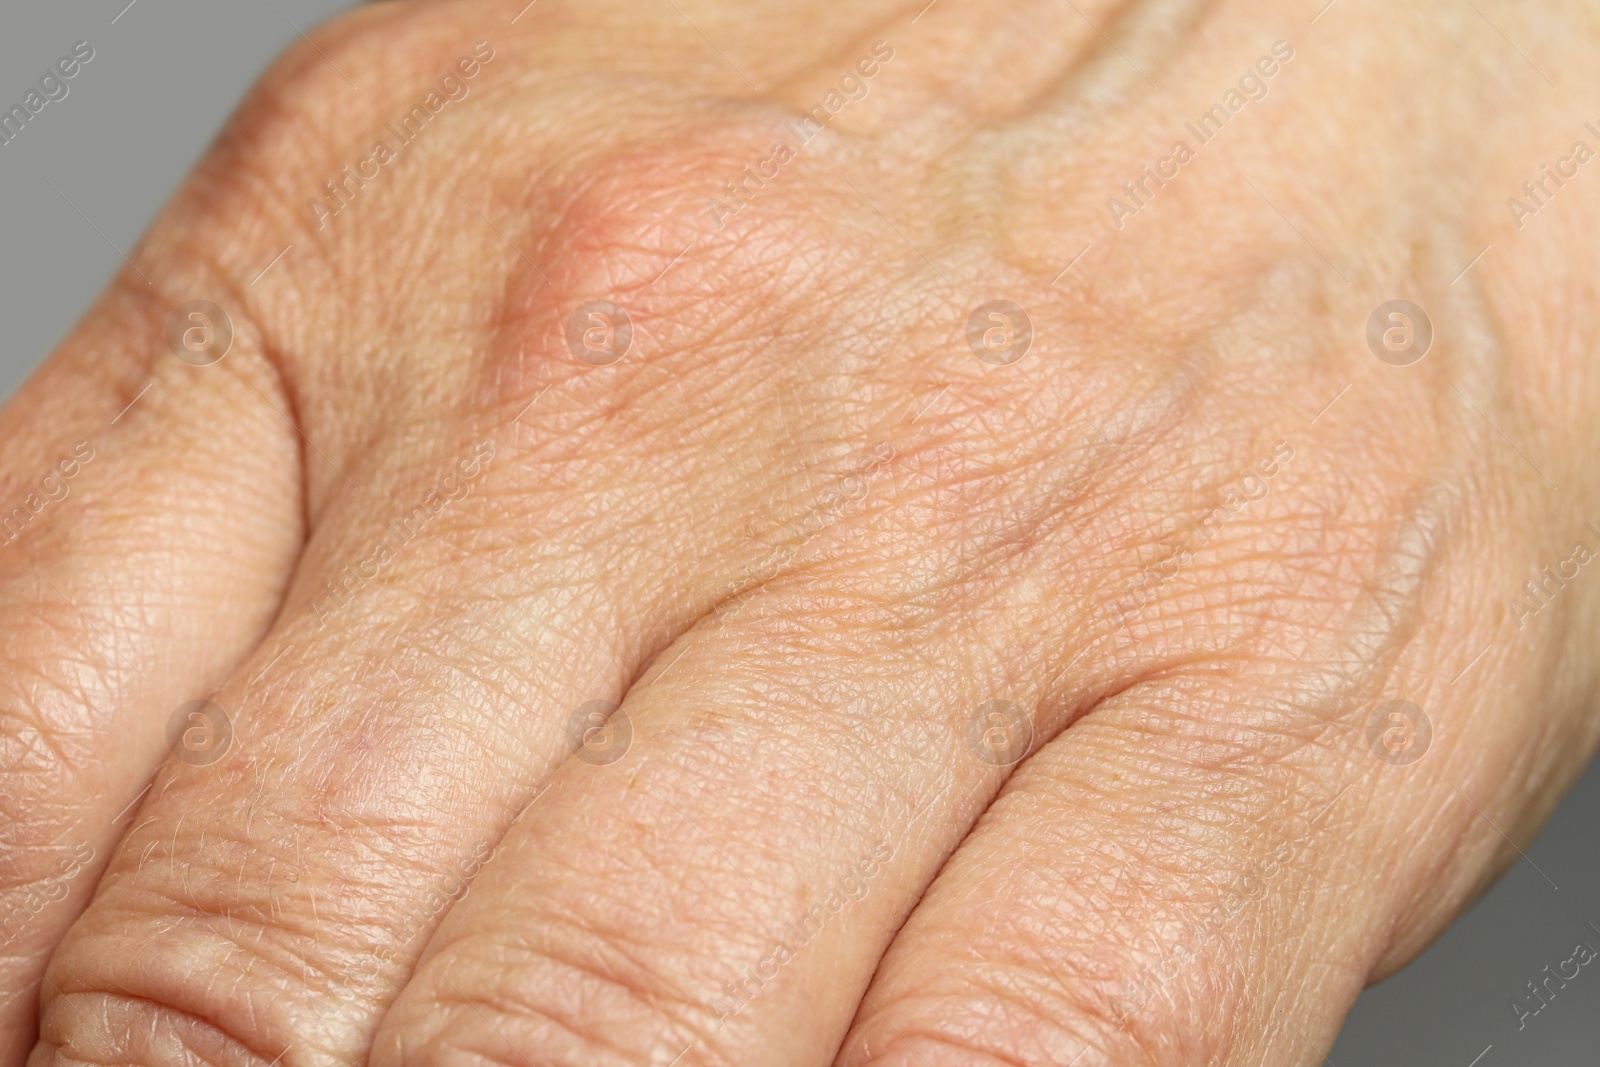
[[808, 540]]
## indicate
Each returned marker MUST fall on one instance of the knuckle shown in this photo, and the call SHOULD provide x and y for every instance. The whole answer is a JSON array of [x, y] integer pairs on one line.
[[935, 1049], [1105, 1016], [590, 1003], [102, 1027], [185, 999], [1133, 967], [633, 229], [199, 937], [309, 74]]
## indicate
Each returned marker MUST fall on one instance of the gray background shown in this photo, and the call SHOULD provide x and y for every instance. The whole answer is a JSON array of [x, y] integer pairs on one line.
[[166, 74]]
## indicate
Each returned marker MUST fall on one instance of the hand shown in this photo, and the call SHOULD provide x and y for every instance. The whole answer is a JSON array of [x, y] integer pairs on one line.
[[1054, 621]]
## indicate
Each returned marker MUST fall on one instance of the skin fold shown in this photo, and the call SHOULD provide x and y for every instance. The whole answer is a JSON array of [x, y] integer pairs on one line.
[[798, 671]]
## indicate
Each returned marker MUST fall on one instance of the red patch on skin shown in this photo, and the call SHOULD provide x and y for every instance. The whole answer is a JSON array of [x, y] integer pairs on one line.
[[637, 229]]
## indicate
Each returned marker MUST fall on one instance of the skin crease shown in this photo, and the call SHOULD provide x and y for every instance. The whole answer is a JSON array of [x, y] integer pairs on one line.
[[807, 540]]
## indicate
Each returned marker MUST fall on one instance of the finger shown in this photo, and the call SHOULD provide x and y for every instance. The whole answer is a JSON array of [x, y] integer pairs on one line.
[[716, 843], [150, 518], [382, 739], [1119, 906], [418, 686], [446, 618], [796, 770], [1209, 867]]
